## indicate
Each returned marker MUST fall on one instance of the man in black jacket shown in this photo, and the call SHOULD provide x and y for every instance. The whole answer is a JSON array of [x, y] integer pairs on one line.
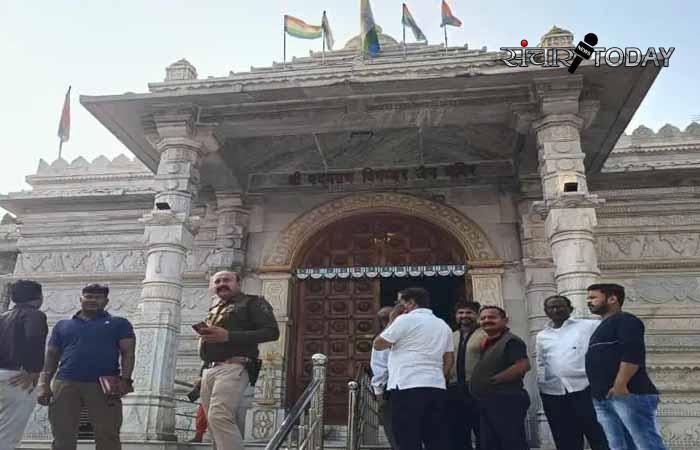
[[23, 332], [236, 324]]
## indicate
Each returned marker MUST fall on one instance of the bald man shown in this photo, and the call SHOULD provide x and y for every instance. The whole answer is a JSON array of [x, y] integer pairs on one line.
[[236, 324], [380, 374]]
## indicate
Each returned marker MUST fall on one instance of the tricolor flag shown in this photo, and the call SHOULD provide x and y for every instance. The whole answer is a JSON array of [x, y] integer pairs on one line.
[[64, 124], [300, 29], [327, 34], [447, 17], [408, 21], [370, 30]]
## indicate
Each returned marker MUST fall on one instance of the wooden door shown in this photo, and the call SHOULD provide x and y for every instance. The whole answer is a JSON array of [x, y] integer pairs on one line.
[[337, 317]]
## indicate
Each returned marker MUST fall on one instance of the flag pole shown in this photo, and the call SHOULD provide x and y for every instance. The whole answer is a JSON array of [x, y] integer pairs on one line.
[[323, 38], [445, 27], [284, 38], [403, 22], [60, 147]]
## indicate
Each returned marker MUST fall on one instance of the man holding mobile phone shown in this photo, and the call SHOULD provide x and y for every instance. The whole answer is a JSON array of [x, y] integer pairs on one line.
[[236, 324]]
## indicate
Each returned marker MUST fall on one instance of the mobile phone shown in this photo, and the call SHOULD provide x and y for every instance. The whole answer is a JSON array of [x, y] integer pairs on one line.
[[198, 327]]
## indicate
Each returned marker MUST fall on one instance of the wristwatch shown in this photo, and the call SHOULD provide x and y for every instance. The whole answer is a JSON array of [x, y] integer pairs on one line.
[[128, 380]]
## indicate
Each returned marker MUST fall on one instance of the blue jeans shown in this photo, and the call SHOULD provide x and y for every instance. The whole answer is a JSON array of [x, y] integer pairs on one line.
[[630, 422]]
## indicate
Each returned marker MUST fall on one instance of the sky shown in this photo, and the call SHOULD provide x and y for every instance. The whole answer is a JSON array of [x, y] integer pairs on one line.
[[110, 47]]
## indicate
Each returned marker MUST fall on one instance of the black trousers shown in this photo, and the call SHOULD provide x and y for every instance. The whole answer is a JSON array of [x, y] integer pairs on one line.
[[462, 418], [418, 418], [570, 417], [502, 425]]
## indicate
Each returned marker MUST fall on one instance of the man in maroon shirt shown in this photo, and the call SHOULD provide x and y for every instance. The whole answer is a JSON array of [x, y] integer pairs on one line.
[[23, 333]]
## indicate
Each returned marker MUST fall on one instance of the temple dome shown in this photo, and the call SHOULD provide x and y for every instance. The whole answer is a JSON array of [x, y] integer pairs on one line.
[[384, 41], [557, 37]]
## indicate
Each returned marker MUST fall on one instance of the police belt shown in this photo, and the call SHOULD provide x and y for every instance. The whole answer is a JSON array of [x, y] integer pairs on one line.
[[242, 360]]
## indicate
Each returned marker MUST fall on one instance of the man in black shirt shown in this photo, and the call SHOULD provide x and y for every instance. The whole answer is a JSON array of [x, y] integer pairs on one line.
[[23, 333], [497, 384], [624, 397]]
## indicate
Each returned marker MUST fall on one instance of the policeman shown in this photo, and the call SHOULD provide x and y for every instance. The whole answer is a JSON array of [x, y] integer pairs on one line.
[[229, 340]]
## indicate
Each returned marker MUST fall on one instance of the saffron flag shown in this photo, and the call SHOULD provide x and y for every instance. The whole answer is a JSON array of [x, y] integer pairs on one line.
[[448, 18], [410, 22], [370, 30], [327, 34], [64, 123], [300, 29]]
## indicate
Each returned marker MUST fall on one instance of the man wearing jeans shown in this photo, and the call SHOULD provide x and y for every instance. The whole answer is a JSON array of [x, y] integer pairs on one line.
[[624, 397]]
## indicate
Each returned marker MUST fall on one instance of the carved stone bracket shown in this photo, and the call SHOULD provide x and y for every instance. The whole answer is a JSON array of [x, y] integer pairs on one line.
[[567, 200]]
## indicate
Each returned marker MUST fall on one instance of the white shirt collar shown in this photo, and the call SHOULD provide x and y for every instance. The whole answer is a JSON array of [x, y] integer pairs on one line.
[[568, 322]]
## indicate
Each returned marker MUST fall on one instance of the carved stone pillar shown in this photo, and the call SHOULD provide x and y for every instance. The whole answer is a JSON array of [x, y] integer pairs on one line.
[[149, 412], [568, 207], [231, 231], [267, 412], [539, 284], [487, 287]]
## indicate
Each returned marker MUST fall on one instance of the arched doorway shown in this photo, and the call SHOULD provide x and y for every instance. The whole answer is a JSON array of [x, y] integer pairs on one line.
[[337, 315]]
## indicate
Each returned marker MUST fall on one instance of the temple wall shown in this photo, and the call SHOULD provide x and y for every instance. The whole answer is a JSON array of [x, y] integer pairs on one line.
[[648, 240]]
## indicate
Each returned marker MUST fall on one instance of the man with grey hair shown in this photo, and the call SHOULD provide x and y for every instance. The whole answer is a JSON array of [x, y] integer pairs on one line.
[[229, 340], [379, 362]]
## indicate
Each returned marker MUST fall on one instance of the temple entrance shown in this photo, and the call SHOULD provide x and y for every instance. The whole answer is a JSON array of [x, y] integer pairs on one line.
[[352, 268]]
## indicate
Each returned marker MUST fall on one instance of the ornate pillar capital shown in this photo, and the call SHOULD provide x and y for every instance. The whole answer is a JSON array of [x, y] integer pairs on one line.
[[559, 94]]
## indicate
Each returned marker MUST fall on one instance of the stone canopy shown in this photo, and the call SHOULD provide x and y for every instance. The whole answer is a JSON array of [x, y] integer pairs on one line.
[[430, 106]]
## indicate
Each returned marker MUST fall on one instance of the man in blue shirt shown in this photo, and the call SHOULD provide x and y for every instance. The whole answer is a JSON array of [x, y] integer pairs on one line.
[[82, 349], [624, 397]]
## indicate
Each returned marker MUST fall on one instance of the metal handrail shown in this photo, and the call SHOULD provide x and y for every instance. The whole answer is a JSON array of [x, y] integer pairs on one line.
[[363, 413], [309, 426]]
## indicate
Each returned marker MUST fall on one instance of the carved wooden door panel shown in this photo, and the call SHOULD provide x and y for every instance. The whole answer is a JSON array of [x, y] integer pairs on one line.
[[337, 317]]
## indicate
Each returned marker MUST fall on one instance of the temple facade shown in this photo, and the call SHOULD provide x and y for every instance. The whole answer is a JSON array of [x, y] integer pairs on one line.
[[331, 182]]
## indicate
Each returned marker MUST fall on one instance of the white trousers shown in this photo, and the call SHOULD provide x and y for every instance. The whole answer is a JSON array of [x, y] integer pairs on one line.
[[16, 406]]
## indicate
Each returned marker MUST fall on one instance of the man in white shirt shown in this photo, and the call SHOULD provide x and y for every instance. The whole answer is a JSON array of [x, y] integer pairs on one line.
[[561, 376], [379, 363], [419, 361]]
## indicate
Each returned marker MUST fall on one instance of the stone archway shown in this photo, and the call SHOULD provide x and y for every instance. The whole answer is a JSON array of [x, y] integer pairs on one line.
[[279, 259], [282, 254]]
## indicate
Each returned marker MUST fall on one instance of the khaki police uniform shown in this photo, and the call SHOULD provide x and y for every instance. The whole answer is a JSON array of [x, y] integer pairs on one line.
[[250, 321]]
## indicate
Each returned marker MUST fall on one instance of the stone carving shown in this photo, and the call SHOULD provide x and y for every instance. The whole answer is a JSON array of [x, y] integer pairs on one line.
[[145, 358], [293, 237], [263, 423], [106, 261], [662, 290], [88, 261], [122, 302], [196, 299], [681, 436], [655, 245], [38, 427], [487, 289], [276, 292]]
